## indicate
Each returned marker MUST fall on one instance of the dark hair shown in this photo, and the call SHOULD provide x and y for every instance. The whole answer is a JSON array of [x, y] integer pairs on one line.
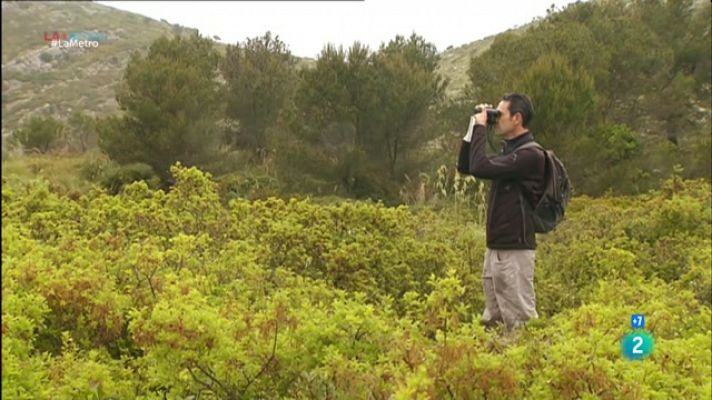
[[520, 103]]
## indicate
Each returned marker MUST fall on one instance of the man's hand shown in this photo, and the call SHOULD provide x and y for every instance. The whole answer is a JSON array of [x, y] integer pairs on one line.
[[477, 119], [481, 118]]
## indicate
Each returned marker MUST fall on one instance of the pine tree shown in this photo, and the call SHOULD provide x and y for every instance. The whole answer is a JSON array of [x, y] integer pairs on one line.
[[261, 78], [171, 101]]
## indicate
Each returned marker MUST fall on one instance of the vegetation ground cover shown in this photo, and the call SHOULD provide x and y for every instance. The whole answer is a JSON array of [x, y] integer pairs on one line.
[[155, 293]]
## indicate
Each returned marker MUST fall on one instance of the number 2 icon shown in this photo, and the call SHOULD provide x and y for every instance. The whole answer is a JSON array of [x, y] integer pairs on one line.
[[638, 342], [637, 346]]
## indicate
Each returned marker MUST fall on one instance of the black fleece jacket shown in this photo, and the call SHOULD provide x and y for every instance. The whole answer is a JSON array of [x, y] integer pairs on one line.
[[517, 177]]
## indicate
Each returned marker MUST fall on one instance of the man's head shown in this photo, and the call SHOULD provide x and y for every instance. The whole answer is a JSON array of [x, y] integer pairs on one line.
[[516, 111]]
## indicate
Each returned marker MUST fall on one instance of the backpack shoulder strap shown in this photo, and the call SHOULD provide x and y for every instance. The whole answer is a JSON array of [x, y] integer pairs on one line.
[[530, 145]]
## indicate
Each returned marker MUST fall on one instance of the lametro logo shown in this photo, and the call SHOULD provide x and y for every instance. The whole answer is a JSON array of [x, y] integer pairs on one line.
[[82, 39]]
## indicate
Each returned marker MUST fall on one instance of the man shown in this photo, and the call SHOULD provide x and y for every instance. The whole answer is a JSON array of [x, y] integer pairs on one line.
[[517, 179]]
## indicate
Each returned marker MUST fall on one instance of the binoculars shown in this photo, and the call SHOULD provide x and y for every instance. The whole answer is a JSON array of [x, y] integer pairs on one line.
[[492, 115]]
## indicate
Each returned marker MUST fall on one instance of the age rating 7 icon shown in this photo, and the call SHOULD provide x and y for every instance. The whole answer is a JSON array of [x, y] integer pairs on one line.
[[637, 321]]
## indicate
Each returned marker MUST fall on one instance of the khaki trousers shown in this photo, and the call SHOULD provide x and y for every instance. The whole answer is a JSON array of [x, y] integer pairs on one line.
[[508, 282]]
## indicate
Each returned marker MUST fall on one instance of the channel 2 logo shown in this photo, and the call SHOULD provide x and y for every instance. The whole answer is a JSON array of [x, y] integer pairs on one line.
[[638, 344]]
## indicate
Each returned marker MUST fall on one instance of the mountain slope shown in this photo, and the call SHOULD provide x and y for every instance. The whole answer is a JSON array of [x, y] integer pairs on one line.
[[455, 62], [37, 78]]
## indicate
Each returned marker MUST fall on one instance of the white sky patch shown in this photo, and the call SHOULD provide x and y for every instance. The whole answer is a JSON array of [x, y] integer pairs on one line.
[[306, 26]]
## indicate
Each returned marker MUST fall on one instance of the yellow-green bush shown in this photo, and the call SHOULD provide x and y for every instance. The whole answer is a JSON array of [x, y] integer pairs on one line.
[[151, 294]]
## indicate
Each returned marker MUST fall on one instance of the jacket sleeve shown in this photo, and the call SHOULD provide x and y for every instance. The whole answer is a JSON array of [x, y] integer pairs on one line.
[[463, 160], [473, 160]]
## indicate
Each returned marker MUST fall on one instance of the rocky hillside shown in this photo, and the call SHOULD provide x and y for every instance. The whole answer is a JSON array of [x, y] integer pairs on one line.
[[39, 78], [454, 63]]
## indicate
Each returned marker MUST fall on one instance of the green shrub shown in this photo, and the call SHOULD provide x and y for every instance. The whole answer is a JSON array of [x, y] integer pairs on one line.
[[116, 178], [96, 167], [153, 294], [39, 134], [250, 186], [46, 57]]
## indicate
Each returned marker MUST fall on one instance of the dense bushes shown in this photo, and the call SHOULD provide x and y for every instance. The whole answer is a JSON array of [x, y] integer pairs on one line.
[[149, 294]]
